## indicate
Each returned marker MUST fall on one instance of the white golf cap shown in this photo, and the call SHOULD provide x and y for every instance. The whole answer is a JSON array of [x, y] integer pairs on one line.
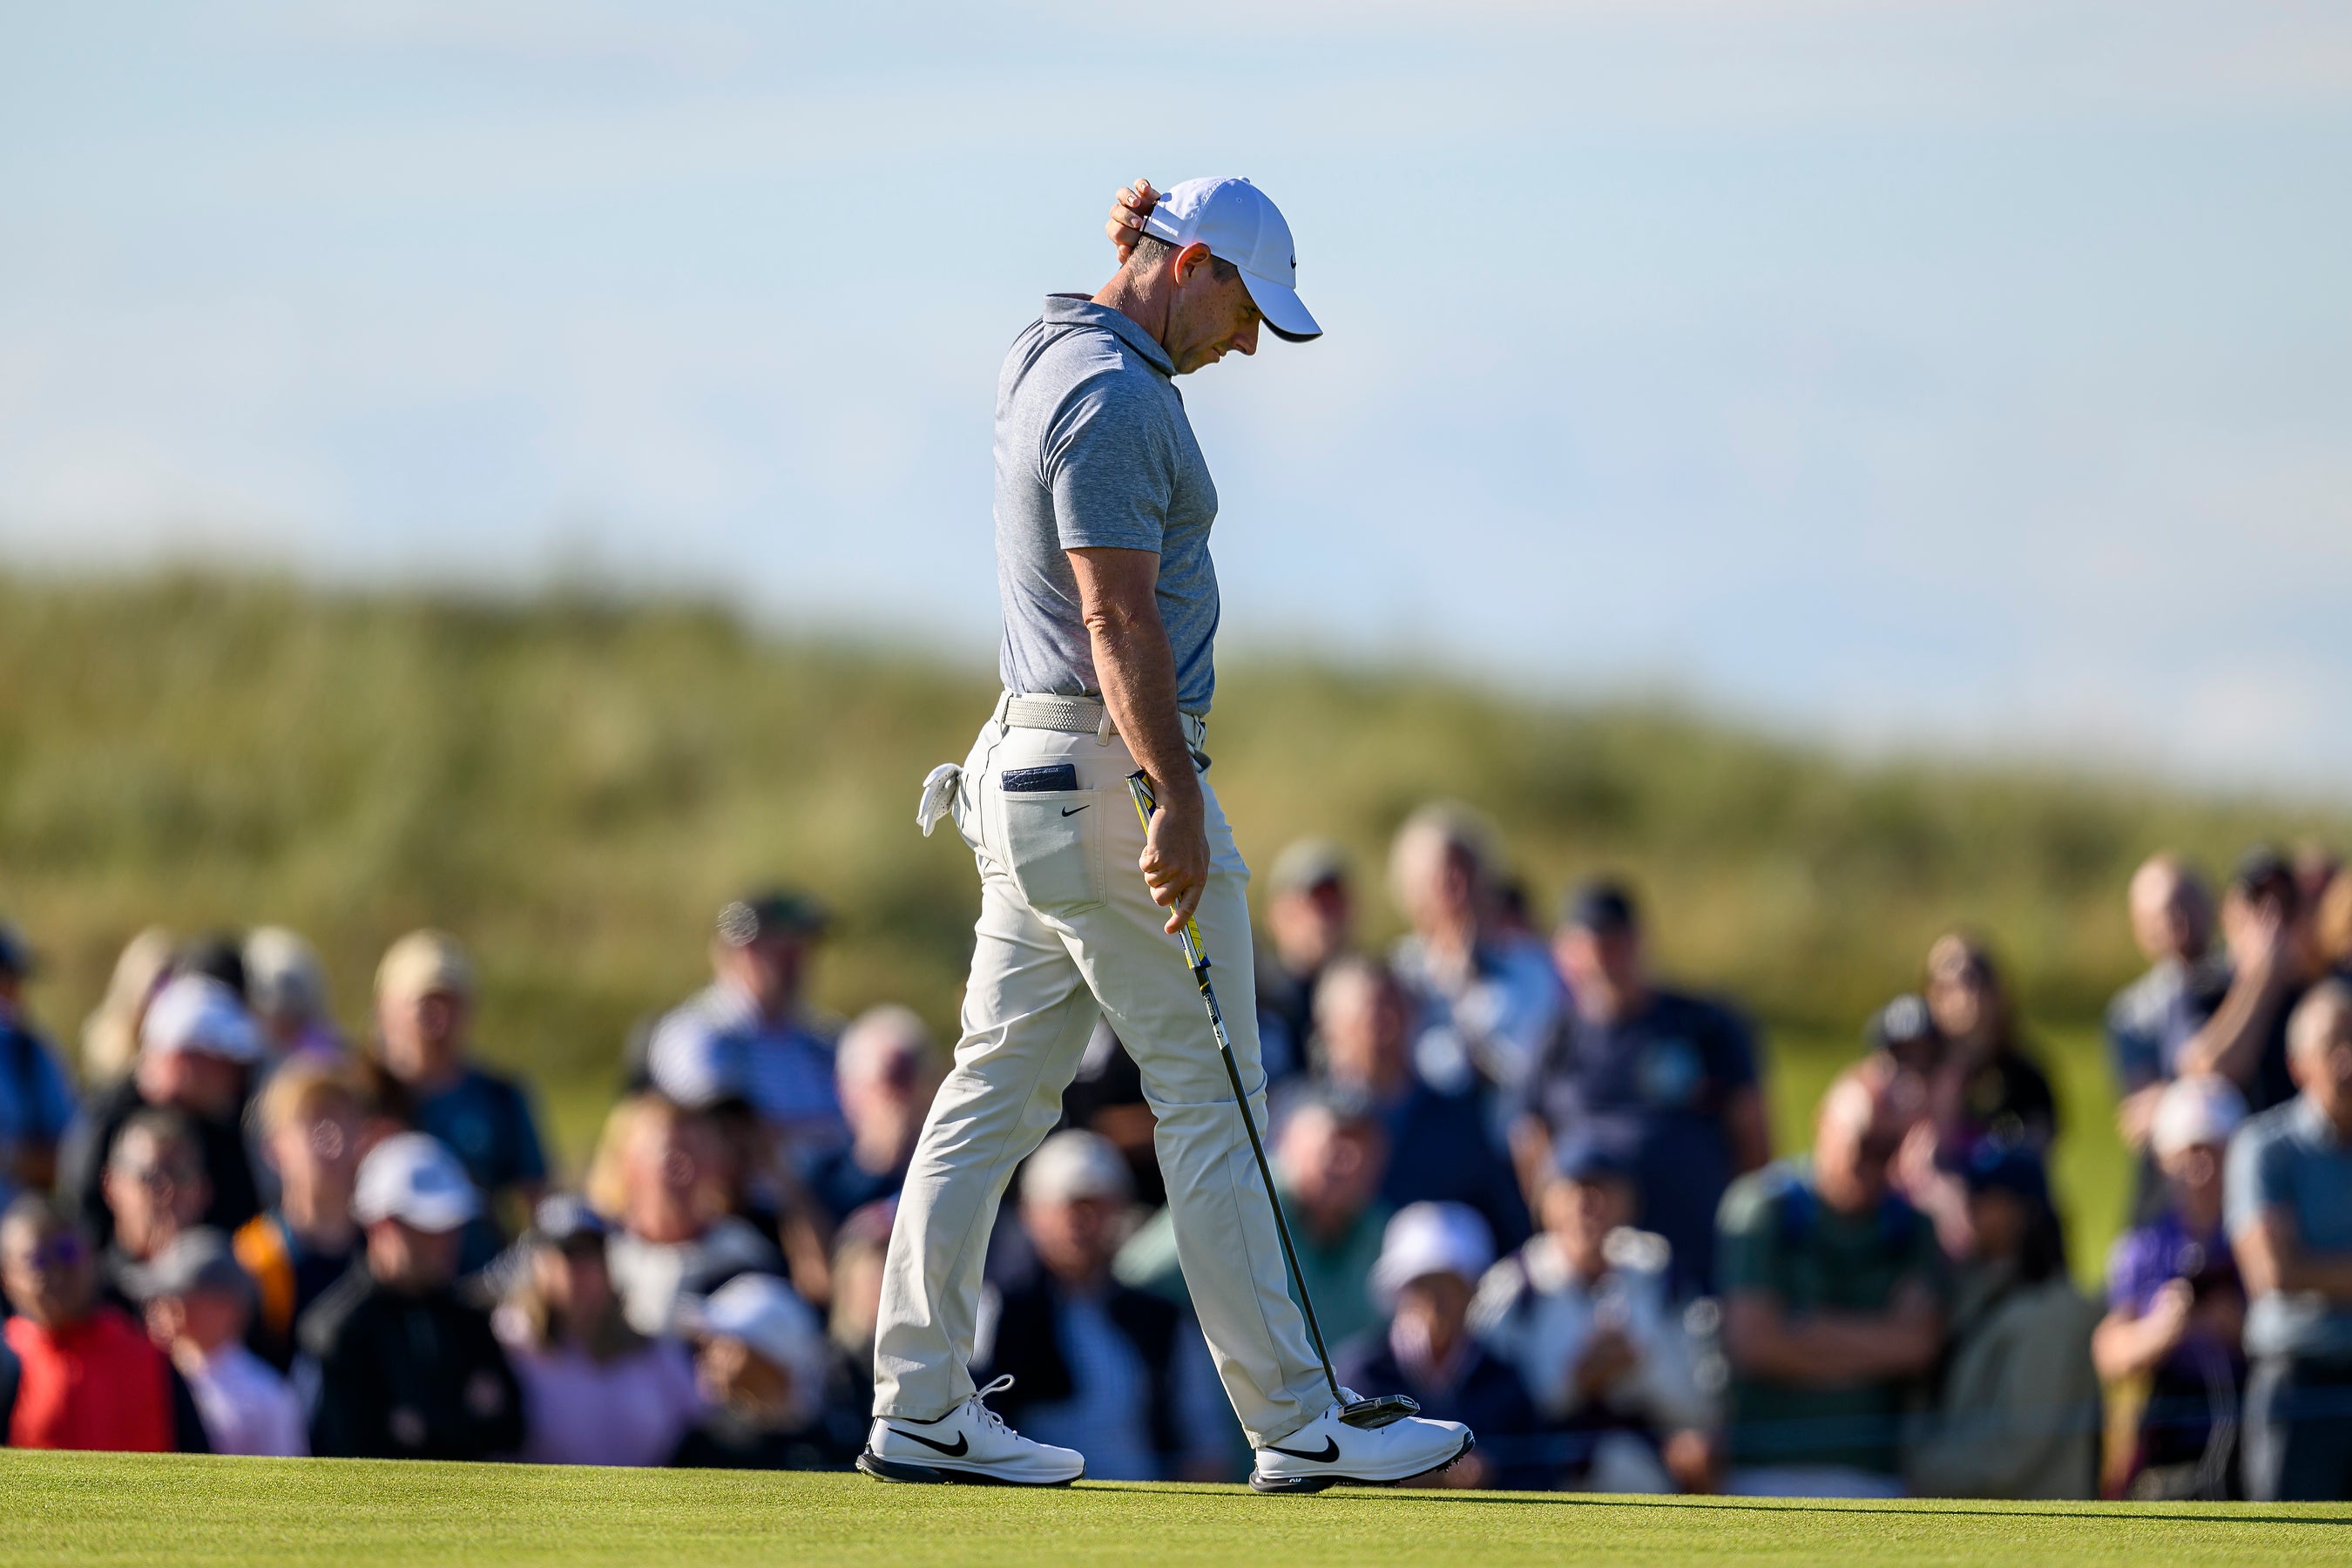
[[410, 1177], [1076, 1164], [1240, 225], [198, 1013], [2193, 1110], [1430, 1238], [762, 1311]]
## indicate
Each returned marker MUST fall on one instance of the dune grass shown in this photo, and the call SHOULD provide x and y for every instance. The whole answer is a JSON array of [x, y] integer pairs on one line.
[[574, 785], [181, 1512]]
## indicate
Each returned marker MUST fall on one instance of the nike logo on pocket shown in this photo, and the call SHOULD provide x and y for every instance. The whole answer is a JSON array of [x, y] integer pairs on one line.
[[955, 1450], [1331, 1452], [1072, 810]]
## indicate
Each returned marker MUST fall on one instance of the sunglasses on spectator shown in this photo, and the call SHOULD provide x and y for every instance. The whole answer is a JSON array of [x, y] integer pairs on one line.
[[66, 1251]]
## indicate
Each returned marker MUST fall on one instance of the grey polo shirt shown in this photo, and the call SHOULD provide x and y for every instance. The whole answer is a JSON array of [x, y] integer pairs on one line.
[[2291, 1158], [1093, 449]]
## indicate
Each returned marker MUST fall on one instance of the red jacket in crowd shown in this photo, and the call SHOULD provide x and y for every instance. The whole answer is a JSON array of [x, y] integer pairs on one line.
[[97, 1384]]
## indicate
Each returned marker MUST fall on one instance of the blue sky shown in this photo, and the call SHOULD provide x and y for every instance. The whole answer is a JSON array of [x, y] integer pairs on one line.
[[1959, 372]]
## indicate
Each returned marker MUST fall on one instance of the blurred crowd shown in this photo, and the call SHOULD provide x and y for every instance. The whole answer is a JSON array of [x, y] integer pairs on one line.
[[1532, 1183]]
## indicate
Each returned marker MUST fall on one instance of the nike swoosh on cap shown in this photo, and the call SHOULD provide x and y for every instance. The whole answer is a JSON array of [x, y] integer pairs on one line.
[[1331, 1452], [955, 1450]]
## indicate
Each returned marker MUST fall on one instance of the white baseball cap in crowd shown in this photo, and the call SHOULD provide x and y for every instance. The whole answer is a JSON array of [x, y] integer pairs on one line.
[[762, 1311], [1428, 1238], [1074, 1165], [412, 1178], [198, 1013], [2198, 1109], [1241, 225]]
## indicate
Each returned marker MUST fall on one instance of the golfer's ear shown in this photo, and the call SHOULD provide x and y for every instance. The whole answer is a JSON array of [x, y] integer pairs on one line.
[[1190, 261]]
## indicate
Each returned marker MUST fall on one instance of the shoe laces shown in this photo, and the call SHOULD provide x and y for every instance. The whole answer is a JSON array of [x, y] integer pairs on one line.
[[986, 1416]]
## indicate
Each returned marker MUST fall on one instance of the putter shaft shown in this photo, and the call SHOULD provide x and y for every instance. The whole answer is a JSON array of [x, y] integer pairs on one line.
[[1138, 784]]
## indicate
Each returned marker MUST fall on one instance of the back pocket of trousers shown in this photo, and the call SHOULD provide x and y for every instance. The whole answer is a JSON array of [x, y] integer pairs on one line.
[[1053, 846]]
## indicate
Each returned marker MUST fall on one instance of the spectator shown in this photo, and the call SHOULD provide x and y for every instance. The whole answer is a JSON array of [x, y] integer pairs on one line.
[[759, 1359], [1362, 1018], [2176, 1309], [1834, 1305], [2016, 1414], [1666, 1078], [2331, 927], [1093, 1365], [288, 993], [196, 1045], [1988, 1087], [36, 1101], [665, 1173], [75, 1372], [406, 1368], [1432, 1257], [1106, 1096], [2153, 1018], [1310, 918], [1329, 1160], [310, 1125], [886, 1076], [594, 1391], [858, 1249], [1904, 1033], [752, 1026], [2288, 1190], [155, 1192], [1487, 1000], [1586, 1312], [424, 1012], [2274, 962], [197, 1303], [109, 1036]]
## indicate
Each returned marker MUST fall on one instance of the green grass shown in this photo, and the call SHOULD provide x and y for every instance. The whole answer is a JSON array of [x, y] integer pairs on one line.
[[574, 786], [186, 1511]]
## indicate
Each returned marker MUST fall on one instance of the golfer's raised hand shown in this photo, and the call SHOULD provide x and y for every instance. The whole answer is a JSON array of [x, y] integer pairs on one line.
[[1129, 207], [1175, 859]]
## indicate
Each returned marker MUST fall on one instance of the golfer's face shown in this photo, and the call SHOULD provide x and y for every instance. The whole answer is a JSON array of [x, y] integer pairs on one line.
[[1210, 320]]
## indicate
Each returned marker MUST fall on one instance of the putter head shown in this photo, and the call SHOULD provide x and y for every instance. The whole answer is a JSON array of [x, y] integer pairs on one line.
[[1370, 1414]]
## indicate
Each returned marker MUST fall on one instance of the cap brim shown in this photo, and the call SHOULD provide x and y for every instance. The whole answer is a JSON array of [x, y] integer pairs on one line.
[[1284, 311], [437, 1215]]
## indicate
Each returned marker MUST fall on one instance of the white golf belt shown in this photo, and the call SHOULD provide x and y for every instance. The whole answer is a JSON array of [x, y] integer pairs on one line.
[[1080, 716]]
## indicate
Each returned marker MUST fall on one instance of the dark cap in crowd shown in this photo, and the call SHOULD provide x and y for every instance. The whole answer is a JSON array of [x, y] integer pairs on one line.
[[1997, 1167], [220, 956], [198, 1259], [15, 953], [2262, 873], [563, 1218], [1307, 864], [1602, 907], [777, 912], [1901, 1025], [1586, 1161]]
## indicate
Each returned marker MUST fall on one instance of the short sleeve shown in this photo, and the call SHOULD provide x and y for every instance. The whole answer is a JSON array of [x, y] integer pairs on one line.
[[2255, 1177], [1748, 1241], [525, 1159], [1111, 466], [53, 1108], [1732, 1052]]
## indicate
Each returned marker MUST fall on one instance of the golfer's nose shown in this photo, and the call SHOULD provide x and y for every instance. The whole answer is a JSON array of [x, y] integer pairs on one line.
[[1245, 341]]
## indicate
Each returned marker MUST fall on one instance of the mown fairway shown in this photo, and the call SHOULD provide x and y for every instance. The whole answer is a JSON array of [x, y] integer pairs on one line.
[[127, 1508]]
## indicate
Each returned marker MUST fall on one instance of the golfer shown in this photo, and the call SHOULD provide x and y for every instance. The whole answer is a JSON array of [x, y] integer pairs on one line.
[[1103, 510]]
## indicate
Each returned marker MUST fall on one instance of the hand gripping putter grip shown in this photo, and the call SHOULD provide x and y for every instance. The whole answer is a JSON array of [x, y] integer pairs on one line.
[[1362, 1412]]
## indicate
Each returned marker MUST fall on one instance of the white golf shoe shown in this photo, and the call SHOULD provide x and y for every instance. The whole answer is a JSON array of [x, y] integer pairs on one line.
[[969, 1446], [1328, 1452]]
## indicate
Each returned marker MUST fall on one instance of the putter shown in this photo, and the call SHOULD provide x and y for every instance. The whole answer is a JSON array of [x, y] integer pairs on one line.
[[1365, 1414]]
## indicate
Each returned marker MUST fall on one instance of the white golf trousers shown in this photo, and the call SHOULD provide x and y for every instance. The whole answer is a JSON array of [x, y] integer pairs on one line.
[[1067, 930]]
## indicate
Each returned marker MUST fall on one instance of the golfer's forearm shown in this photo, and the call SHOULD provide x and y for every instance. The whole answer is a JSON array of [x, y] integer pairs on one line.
[[1137, 674]]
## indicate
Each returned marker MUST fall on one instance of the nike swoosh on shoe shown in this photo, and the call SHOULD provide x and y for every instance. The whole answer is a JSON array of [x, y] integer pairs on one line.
[[1331, 1452], [955, 1450]]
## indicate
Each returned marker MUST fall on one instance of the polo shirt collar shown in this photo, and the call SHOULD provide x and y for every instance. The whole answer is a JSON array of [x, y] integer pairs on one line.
[[1078, 310]]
